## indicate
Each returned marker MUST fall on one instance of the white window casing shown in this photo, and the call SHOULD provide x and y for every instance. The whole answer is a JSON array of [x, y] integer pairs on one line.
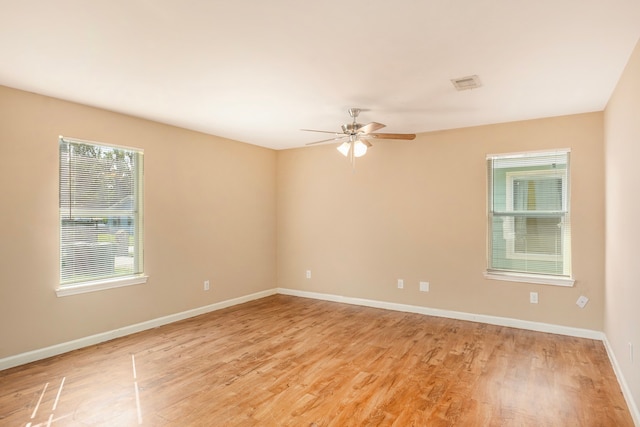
[[529, 227]]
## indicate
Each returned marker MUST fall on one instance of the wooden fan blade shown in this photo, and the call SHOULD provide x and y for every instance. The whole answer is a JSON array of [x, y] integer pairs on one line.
[[391, 135], [371, 127], [322, 131], [327, 140], [365, 142]]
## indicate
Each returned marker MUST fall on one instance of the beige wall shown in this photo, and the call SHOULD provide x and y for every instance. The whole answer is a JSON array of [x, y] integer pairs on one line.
[[622, 151], [415, 210], [210, 208]]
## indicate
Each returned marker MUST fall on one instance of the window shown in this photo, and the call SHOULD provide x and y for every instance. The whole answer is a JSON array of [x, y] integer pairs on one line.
[[529, 236], [100, 216]]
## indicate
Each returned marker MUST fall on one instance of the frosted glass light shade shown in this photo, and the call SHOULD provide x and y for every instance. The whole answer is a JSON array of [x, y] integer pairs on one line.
[[344, 148], [359, 149]]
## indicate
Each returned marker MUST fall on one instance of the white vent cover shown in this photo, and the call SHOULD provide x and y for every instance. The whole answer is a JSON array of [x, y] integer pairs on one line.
[[464, 83]]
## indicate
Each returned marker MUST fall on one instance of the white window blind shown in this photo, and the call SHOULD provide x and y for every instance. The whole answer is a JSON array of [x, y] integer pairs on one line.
[[100, 212], [528, 219]]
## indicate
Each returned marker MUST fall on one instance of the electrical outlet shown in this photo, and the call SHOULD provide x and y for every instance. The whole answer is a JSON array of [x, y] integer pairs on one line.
[[533, 297], [308, 274], [206, 285], [424, 286], [400, 284], [582, 301]]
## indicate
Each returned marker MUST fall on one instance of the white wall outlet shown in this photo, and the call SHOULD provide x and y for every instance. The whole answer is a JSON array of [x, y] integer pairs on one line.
[[533, 297], [400, 284], [308, 274], [424, 286], [582, 301], [206, 285]]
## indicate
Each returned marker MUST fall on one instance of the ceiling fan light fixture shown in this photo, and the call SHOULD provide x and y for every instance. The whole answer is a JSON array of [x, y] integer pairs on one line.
[[344, 148], [358, 135]]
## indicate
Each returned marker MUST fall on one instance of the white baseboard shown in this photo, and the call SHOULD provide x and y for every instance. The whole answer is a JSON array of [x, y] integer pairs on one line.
[[626, 391], [481, 318], [54, 350]]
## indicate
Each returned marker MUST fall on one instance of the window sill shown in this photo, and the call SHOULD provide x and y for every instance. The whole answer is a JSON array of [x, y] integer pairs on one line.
[[100, 285], [540, 279]]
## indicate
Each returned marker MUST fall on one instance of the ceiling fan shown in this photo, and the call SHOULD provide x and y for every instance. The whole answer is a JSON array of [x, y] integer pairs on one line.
[[357, 136]]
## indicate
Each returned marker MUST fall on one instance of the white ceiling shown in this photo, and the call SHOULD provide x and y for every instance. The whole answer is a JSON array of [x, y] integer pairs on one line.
[[257, 71]]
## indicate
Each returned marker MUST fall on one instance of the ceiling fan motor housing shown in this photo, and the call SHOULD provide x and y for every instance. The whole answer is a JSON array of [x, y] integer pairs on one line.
[[351, 128]]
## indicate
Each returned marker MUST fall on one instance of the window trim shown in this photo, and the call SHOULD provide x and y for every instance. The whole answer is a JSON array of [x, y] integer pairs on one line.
[[101, 285], [541, 279], [111, 282]]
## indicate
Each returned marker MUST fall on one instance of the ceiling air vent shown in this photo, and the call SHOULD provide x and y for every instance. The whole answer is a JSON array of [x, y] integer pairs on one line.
[[464, 83]]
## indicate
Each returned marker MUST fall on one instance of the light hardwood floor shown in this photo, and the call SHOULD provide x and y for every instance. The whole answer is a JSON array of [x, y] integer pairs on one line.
[[288, 361]]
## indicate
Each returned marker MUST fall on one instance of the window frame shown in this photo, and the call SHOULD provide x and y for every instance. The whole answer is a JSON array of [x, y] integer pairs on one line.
[[514, 275], [96, 283]]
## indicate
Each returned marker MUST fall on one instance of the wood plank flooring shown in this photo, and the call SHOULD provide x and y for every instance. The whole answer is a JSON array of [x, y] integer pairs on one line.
[[288, 361]]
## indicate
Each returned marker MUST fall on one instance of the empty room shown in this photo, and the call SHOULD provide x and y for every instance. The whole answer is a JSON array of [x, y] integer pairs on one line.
[[335, 213]]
